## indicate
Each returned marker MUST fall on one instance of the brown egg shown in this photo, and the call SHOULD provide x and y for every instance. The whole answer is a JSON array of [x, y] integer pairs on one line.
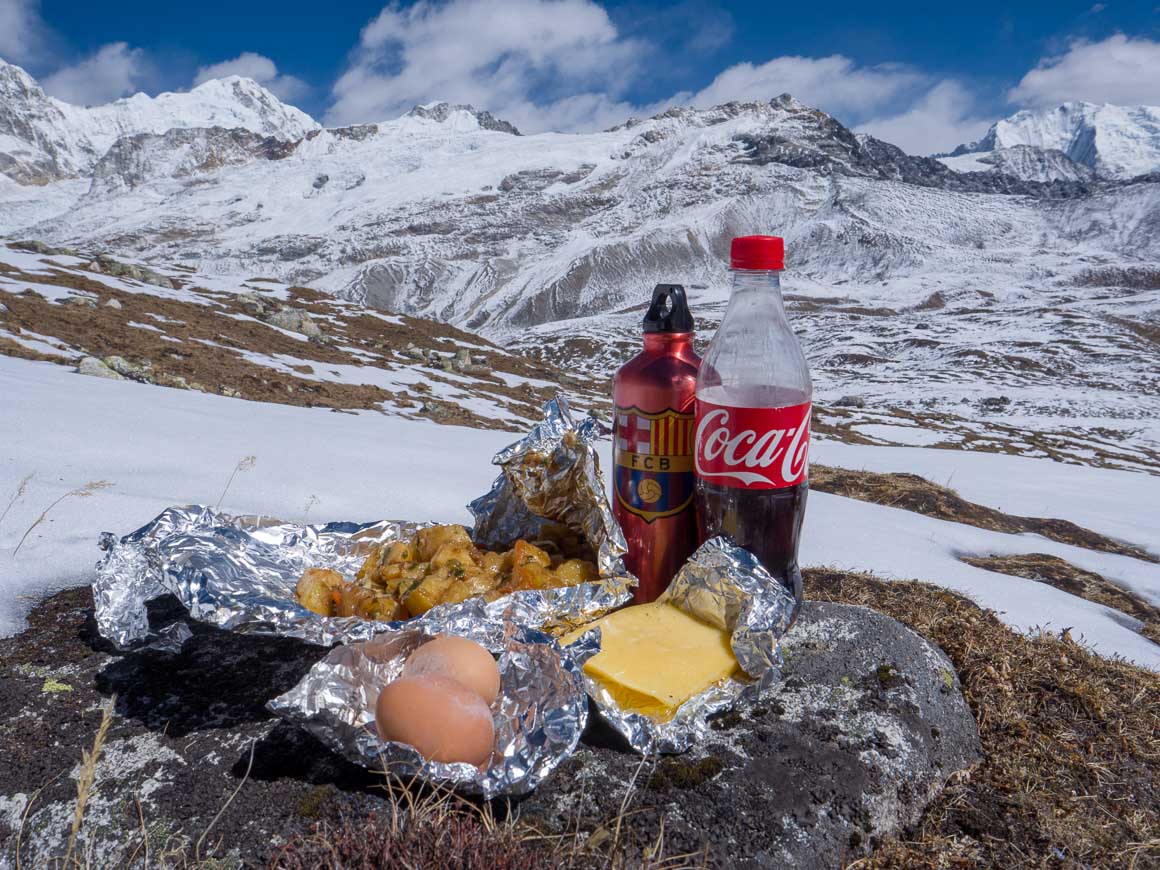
[[461, 659], [441, 718]]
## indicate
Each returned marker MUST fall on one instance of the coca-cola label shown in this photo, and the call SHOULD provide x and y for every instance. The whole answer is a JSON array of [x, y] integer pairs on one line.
[[753, 448], [654, 462]]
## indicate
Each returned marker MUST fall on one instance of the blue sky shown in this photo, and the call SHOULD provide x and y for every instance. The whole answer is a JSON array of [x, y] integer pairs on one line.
[[924, 75]]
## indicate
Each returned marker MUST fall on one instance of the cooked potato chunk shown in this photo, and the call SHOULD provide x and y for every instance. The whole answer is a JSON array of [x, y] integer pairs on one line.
[[441, 565], [318, 590], [574, 571], [473, 583], [429, 540], [428, 592], [532, 575], [351, 599], [454, 556], [527, 554], [383, 607], [400, 551], [497, 565]]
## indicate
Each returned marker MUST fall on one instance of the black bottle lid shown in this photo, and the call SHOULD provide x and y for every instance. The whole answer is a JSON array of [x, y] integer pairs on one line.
[[669, 311]]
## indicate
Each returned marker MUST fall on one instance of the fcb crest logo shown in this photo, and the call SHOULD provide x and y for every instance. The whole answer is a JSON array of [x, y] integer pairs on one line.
[[654, 462]]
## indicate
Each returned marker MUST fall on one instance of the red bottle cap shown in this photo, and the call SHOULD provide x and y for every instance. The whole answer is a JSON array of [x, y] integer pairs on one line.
[[757, 252]]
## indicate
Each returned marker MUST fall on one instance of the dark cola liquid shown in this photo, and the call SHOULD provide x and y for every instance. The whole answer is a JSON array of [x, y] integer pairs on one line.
[[766, 522]]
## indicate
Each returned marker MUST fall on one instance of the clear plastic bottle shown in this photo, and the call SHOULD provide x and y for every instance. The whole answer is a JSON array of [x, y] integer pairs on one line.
[[753, 418]]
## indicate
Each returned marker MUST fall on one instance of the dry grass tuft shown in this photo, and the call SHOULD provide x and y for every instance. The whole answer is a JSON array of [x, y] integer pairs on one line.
[[87, 778], [85, 491], [424, 829], [1071, 773], [244, 464], [19, 494], [914, 493]]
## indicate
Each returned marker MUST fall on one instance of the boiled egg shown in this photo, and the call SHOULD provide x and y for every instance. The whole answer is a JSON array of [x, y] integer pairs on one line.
[[459, 659], [443, 719]]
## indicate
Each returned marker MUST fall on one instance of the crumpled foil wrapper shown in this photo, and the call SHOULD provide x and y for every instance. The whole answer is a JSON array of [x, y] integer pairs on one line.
[[239, 573], [552, 474], [725, 586], [539, 715]]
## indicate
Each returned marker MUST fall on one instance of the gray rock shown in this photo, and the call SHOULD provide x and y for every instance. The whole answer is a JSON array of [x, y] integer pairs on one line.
[[82, 301], [106, 265], [90, 365], [35, 246], [131, 370], [253, 304], [3, 308], [862, 733], [114, 304], [295, 321], [851, 402], [866, 727]]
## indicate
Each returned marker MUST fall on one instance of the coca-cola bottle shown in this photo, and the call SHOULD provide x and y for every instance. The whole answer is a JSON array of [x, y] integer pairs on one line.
[[753, 418]]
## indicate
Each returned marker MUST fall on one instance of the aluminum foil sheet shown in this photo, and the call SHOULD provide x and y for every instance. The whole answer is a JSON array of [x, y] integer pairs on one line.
[[539, 715], [552, 474], [239, 573], [722, 585]]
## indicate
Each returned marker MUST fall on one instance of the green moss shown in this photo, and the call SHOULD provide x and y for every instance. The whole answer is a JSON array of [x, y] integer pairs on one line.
[[673, 773], [888, 676], [55, 687], [311, 804]]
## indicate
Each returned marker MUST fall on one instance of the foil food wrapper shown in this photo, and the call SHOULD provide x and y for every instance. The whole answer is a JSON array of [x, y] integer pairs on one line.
[[725, 586], [240, 573], [539, 714]]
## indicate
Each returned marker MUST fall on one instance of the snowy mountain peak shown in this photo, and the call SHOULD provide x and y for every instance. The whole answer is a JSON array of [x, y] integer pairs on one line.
[[462, 117], [1114, 141], [43, 139]]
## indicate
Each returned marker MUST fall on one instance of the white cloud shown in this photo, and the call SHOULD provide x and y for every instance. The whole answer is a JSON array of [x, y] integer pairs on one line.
[[834, 84], [562, 65], [1119, 69], [259, 68], [941, 119], [113, 71], [494, 55], [22, 32]]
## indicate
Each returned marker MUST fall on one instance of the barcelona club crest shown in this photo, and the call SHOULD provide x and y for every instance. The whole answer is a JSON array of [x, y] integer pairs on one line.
[[654, 462]]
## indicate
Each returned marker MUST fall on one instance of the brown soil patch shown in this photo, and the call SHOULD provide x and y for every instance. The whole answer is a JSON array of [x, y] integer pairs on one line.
[[8, 347], [1086, 584], [203, 344], [918, 494], [1071, 774]]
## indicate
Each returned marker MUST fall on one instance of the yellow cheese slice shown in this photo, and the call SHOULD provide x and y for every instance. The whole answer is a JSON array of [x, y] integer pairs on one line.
[[654, 657]]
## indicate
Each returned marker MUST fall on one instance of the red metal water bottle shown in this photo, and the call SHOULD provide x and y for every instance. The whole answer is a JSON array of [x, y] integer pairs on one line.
[[652, 451]]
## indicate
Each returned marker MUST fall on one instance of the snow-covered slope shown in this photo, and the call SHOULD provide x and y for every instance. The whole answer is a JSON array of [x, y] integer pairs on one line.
[[1022, 161], [158, 447], [44, 139], [1114, 141]]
